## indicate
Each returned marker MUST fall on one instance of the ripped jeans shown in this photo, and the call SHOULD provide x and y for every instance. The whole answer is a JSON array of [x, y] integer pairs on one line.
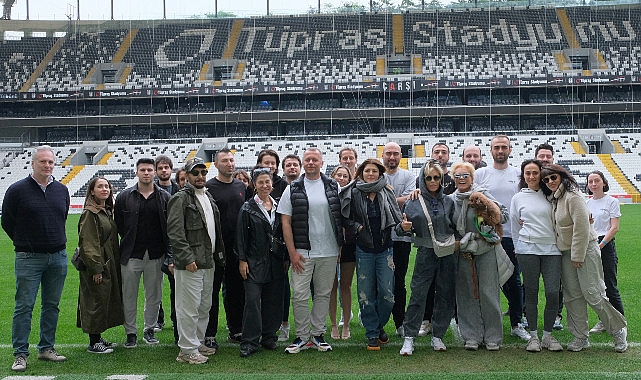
[[375, 287]]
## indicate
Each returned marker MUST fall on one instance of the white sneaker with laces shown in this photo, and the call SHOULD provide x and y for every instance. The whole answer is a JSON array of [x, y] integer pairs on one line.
[[520, 332], [19, 364], [438, 345], [551, 344], [533, 345], [408, 347], [557, 323], [578, 344], [598, 328], [426, 328]]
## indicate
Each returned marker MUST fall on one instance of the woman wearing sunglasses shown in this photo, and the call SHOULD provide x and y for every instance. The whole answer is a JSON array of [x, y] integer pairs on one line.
[[371, 211], [581, 269], [537, 253], [428, 266], [478, 287]]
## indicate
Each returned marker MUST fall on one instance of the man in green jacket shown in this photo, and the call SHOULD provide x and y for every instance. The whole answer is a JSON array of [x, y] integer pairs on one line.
[[193, 227]]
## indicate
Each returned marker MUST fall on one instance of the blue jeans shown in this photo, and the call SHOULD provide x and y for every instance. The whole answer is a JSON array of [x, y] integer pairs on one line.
[[375, 285], [34, 271]]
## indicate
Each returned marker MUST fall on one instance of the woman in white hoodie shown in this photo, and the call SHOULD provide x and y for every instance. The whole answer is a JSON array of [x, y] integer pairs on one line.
[[537, 253]]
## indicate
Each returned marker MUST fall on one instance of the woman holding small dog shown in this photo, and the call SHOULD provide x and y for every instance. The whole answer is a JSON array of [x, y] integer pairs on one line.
[[478, 286]]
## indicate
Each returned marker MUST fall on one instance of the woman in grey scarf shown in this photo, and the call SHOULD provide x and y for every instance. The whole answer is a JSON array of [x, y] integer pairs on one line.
[[478, 287], [370, 207]]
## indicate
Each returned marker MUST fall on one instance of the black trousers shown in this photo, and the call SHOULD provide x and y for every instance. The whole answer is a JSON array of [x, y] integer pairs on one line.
[[262, 312]]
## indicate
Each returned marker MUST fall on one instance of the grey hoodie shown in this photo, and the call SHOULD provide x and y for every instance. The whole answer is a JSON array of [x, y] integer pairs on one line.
[[443, 221]]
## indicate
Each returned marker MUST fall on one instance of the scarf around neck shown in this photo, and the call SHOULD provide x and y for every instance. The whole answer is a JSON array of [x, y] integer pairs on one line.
[[390, 215], [463, 199]]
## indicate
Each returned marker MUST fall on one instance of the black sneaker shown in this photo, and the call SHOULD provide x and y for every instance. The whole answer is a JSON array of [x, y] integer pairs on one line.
[[373, 344], [149, 336], [108, 344], [210, 341], [382, 337], [132, 341], [99, 348], [235, 338]]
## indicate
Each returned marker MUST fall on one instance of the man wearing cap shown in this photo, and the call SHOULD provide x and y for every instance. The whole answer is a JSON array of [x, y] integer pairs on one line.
[[193, 227]]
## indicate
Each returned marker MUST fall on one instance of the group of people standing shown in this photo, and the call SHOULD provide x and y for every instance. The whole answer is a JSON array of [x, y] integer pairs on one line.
[[245, 230]]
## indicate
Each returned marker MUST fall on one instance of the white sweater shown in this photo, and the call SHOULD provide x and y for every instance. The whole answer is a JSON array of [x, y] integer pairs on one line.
[[536, 213]]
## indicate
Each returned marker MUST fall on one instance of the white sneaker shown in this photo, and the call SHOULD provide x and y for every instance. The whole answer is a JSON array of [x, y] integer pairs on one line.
[[426, 328], [437, 344], [557, 323], [408, 347], [520, 332], [19, 364], [533, 345], [195, 358], [492, 346], [620, 342], [283, 333], [578, 344], [471, 345], [551, 344], [598, 328]]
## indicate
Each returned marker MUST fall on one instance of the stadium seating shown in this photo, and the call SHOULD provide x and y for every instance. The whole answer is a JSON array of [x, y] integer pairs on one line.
[[454, 44]]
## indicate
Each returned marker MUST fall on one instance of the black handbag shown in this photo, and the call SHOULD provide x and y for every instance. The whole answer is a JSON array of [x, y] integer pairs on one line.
[[76, 260]]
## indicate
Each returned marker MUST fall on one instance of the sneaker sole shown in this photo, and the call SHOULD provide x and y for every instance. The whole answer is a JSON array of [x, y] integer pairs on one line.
[[406, 353], [295, 350], [151, 341], [180, 360], [373, 348], [131, 346], [107, 351]]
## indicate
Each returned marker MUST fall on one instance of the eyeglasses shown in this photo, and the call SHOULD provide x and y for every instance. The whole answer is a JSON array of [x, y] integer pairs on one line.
[[195, 172], [462, 175], [551, 177], [429, 178]]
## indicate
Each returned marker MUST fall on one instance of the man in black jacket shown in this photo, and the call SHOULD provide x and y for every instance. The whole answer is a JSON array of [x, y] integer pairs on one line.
[[142, 250]]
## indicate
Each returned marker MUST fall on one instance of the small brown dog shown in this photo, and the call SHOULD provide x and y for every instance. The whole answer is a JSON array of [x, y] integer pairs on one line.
[[488, 211]]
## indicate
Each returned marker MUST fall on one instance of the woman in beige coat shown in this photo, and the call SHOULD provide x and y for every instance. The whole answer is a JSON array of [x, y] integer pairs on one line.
[[100, 295], [581, 270]]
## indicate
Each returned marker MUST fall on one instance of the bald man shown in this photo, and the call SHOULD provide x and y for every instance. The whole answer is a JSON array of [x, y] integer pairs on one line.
[[473, 155], [403, 182]]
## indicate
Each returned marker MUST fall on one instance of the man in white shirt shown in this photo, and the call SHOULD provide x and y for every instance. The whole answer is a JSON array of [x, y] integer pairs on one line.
[[311, 216], [502, 181]]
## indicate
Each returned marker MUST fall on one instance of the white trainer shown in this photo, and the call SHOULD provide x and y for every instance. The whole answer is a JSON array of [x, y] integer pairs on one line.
[[408, 347]]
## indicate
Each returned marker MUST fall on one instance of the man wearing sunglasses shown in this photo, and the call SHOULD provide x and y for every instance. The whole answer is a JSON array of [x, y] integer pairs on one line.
[[142, 251], [502, 181], [193, 227]]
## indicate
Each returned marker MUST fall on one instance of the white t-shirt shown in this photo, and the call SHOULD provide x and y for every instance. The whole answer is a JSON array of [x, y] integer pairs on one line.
[[502, 185], [321, 233], [602, 211], [403, 183]]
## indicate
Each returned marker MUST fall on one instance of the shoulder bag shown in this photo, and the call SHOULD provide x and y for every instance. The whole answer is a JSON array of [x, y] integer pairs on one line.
[[441, 249]]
